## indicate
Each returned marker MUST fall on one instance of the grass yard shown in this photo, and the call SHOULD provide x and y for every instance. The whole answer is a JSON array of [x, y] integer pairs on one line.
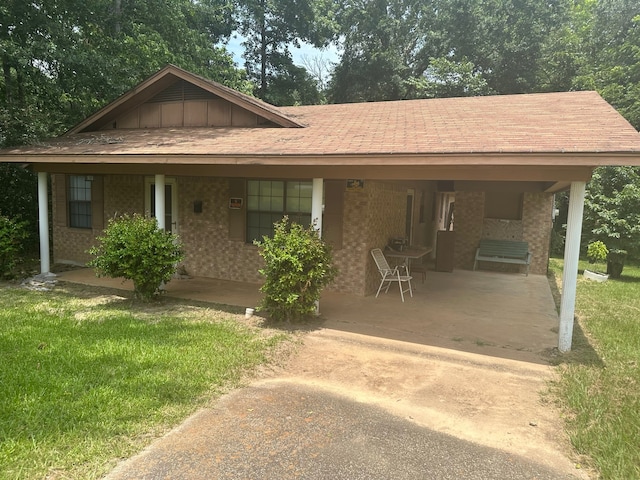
[[89, 379], [600, 380]]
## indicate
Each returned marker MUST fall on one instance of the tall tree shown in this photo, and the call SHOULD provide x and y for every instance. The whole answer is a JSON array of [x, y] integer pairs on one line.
[[380, 40], [447, 78], [271, 28]]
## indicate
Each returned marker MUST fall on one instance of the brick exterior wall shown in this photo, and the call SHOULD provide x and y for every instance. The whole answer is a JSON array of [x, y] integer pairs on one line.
[[371, 216], [385, 219], [351, 258], [534, 228], [209, 251], [467, 225], [123, 194], [70, 245]]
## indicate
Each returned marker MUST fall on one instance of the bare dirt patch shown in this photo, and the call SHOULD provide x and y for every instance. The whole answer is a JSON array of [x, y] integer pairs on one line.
[[490, 401]]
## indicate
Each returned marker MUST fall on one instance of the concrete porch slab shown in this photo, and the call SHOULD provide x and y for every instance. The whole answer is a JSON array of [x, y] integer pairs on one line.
[[503, 315]]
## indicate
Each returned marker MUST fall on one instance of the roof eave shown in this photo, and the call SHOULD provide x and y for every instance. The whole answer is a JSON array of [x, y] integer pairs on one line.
[[578, 159]]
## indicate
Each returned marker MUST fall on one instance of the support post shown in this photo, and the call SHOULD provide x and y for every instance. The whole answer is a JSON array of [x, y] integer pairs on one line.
[[159, 196], [316, 204], [317, 193], [43, 223], [570, 271]]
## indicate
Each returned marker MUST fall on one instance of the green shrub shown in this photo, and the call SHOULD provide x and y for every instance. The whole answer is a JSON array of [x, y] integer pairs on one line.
[[596, 255], [297, 267], [597, 252], [13, 233], [134, 248]]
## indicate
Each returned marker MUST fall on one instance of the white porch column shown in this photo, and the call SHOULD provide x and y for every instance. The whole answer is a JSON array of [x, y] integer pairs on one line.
[[317, 193], [436, 224], [159, 195], [570, 273], [43, 223], [316, 203]]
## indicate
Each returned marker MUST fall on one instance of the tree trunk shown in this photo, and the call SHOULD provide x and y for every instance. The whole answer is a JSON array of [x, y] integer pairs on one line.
[[117, 12], [6, 71], [263, 51]]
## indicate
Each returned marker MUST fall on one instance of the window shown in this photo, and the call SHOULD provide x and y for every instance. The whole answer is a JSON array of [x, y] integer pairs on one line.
[[80, 201], [269, 200]]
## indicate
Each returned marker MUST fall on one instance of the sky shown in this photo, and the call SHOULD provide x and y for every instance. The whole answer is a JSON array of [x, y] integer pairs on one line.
[[331, 53]]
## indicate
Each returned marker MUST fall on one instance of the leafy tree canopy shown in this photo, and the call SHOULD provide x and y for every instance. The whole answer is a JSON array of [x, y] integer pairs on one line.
[[63, 60], [390, 47]]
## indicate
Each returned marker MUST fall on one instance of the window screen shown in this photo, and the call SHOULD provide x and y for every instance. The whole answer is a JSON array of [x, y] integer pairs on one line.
[[269, 200]]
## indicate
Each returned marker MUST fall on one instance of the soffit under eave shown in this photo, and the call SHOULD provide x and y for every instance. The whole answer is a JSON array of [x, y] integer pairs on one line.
[[122, 155], [549, 176]]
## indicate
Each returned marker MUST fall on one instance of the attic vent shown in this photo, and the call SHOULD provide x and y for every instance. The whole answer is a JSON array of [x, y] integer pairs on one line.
[[181, 91]]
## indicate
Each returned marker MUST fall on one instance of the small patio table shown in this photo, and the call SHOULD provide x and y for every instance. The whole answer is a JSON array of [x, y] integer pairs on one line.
[[408, 255]]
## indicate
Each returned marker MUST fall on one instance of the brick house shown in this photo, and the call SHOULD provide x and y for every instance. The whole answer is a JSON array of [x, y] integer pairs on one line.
[[222, 166]]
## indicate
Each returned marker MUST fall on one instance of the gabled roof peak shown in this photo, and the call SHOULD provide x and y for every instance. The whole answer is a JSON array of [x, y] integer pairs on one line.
[[168, 76]]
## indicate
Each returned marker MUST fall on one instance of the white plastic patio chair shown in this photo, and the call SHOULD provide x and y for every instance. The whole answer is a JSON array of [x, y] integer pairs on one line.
[[390, 275]]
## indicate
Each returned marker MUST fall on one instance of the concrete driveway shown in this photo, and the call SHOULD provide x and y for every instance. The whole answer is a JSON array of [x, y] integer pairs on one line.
[[350, 406]]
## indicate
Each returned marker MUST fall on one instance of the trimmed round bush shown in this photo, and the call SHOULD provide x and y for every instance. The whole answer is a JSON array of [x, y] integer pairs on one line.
[[133, 247], [297, 267]]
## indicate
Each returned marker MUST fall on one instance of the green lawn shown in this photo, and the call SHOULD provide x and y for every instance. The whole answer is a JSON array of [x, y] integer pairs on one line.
[[600, 381], [86, 380]]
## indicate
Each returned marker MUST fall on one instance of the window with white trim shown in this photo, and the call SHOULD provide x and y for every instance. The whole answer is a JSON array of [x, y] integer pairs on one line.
[[80, 201], [269, 200]]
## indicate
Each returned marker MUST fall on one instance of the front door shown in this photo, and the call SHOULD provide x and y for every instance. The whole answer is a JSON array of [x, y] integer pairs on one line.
[[170, 203]]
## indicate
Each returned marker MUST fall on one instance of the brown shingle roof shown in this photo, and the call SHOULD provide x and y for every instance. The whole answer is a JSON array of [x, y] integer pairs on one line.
[[571, 122]]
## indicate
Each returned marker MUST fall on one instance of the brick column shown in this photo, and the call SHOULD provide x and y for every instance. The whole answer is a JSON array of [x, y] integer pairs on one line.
[[467, 225], [536, 228]]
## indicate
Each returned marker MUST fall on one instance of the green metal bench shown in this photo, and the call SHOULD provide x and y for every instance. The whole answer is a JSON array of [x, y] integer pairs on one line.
[[503, 251]]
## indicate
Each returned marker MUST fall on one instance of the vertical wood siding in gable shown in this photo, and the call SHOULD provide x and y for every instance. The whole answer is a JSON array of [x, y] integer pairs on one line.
[[195, 113], [218, 113], [150, 115], [172, 114], [192, 113], [243, 118]]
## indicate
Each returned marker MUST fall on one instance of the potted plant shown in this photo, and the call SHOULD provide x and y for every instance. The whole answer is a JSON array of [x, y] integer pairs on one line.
[[615, 262], [597, 254]]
